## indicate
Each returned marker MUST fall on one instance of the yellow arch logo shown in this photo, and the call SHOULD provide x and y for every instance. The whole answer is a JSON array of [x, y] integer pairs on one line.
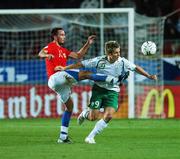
[[159, 100]]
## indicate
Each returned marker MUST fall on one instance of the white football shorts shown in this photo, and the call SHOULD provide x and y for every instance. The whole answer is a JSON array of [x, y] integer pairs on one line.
[[61, 82]]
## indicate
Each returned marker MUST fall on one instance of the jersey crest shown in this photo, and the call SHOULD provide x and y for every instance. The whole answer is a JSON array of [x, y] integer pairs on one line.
[[101, 64]]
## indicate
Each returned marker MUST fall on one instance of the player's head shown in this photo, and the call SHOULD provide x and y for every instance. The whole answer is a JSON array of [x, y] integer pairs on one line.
[[112, 50], [58, 35]]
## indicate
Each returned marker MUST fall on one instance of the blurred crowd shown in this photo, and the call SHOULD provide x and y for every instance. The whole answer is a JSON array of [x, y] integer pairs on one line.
[[152, 8]]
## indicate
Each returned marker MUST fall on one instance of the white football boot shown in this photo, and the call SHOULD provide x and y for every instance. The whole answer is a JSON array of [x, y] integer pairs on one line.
[[90, 140]]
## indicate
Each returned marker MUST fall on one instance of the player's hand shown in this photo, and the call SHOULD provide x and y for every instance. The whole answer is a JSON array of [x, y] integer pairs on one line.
[[59, 68], [153, 77], [91, 39], [49, 56]]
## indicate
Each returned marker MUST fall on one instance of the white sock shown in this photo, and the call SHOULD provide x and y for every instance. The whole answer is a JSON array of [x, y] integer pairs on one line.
[[63, 132], [100, 125], [85, 113]]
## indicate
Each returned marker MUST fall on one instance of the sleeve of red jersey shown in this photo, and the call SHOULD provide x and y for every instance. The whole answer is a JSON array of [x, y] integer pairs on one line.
[[48, 48], [68, 52]]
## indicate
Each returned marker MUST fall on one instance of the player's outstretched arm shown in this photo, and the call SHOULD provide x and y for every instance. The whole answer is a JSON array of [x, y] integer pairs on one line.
[[73, 66], [44, 54], [89, 75], [84, 49], [141, 71]]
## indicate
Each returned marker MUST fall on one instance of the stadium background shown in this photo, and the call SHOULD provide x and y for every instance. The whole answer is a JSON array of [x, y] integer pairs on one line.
[[34, 135], [170, 59]]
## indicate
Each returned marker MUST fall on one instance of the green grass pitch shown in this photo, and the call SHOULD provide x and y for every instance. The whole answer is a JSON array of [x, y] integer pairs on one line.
[[122, 139]]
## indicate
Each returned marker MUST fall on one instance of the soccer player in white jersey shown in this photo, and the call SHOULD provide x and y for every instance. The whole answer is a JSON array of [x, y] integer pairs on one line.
[[105, 95], [56, 54]]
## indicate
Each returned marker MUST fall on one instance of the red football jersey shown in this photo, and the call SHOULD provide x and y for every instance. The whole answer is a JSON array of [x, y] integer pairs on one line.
[[60, 57]]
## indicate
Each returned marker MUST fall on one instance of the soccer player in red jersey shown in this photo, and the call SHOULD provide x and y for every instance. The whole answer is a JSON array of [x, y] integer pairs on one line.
[[56, 55]]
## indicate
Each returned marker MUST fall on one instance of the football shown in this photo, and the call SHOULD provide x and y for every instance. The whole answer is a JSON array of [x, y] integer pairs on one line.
[[148, 48]]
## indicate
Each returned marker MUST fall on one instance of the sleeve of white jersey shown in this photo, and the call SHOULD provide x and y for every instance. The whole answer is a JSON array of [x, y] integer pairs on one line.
[[90, 63], [129, 65]]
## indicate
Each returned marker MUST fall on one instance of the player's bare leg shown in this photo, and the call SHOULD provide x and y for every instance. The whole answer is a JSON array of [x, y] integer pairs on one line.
[[89, 114], [108, 114]]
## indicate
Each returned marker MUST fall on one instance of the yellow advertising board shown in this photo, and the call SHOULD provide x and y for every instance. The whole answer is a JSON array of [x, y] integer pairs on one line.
[[159, 103]]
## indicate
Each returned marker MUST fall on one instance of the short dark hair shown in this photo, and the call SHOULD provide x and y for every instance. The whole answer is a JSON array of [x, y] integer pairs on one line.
[[110, 46], [54, 31]]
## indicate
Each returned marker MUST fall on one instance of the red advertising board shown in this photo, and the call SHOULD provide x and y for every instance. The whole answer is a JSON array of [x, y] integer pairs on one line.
[[32, 101], [23, 101]]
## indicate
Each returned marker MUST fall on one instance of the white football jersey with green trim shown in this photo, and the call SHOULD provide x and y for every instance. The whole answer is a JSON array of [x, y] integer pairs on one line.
[[115, 69]]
